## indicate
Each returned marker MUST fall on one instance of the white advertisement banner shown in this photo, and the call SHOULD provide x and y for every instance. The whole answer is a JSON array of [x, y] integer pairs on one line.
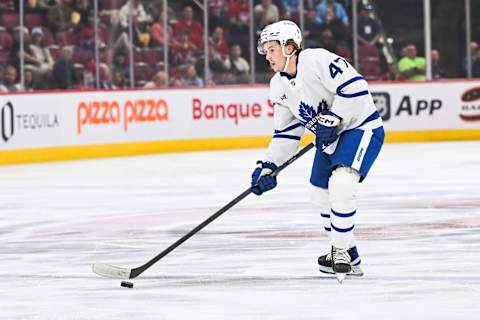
[[34, 120], [61, 119], [428, 106]]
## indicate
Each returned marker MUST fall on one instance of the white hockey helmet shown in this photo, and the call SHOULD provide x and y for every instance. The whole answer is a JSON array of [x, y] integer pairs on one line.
[[280, 31]]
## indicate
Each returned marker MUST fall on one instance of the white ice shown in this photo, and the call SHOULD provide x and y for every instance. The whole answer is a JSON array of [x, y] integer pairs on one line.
[[418, 231]]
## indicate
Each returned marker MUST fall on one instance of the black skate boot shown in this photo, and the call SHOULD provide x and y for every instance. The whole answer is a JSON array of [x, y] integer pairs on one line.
[[341, 260], [341, 263], [325, 263]]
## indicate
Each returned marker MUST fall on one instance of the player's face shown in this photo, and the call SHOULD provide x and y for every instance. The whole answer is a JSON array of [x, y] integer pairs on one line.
[[274, 55]]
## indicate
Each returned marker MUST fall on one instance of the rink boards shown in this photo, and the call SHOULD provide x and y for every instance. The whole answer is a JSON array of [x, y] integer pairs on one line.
[[87, 124]]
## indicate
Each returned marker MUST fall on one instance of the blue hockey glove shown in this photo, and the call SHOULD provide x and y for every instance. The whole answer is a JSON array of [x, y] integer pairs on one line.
[[262, 181], [327, 126]]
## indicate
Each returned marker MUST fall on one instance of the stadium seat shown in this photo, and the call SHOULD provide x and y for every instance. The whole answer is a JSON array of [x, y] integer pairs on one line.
[[79, 70], [344, 52], [16, 35], [66, 38], [368, 51], [48, 38], [137, 55], [10, 20], [54, 51], [370, 69], [6, 40], [82, 55], [152, 56], [32, 20], [111, 4], [4, 58], [142, 71]]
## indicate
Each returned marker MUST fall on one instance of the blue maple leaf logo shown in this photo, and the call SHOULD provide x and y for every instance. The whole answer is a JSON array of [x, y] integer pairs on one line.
[[306, 112], [309, 115]]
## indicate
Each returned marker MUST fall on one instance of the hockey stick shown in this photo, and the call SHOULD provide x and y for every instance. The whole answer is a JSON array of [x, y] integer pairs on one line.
[[110, 271]]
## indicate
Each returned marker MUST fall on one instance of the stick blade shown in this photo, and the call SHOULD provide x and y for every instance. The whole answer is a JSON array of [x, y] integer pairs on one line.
[[110, 271]]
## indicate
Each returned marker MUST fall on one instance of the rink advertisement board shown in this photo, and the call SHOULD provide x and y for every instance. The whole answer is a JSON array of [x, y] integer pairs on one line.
[[428, 106], [70, 125]]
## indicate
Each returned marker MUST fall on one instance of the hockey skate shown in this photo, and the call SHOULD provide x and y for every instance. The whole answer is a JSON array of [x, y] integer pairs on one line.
[[325, 263]]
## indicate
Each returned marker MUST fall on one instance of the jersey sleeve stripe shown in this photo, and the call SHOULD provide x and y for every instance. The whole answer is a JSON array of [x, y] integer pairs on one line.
[[373, 116], [350, 95], [295, 126], [286, 136]]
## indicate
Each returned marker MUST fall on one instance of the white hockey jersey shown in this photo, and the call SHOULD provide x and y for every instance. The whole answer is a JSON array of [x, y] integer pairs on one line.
[[324, 81]]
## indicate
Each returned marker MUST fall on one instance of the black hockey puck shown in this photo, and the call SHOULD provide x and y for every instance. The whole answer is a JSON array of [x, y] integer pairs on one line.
[[126, 284]]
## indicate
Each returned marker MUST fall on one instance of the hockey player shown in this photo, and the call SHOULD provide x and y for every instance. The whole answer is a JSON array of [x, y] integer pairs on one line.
[[317, 90]]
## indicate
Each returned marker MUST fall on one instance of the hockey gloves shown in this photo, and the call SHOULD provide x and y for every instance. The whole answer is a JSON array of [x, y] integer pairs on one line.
[[262, 180], [326, 131]]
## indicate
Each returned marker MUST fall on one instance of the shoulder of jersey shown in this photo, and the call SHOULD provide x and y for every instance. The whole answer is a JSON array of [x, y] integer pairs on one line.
[[307, 55], [276, 85]]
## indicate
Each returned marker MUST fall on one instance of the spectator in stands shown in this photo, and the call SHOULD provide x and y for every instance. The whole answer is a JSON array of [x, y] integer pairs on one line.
[[216, 13], [238, 16], [292, 9], [81, 14], [193, 28], [191, 78], [311, 30], [218, 43], [32, 82], [337, 7], [216, 71], [60, 17], [10, 82], [105, 54], [67, 15], [337, 28], [119, 80], [63, 75], [45, 4], [438, 72], [237, 66], [412, 67], [368, 27], [265, 13], [28, 79], [184, 50], [33, 6], [105, 77], [158, 80], [157, 33], [138, 13], [328, 41], [41, 58], [176, 82], [86, 37], [140, 21], [121, 62], [14, 54]]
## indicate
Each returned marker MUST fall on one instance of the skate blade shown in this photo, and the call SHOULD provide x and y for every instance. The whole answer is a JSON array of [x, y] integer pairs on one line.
[[356, 271], [340, 277]]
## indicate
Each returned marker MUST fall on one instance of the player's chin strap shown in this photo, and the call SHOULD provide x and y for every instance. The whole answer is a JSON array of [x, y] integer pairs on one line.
[[288, 56]]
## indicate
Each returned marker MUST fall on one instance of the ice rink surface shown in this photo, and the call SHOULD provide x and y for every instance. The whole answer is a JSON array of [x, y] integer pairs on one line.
[[418, 231]]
